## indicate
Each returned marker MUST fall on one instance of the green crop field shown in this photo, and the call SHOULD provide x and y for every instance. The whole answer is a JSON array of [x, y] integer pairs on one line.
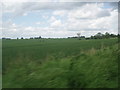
[[60, 63]]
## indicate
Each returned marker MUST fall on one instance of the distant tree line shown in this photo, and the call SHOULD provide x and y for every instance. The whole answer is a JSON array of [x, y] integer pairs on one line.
[[103, 36], [81, 37], [36, 37], [97, 36], [6, 38], [23, 38]]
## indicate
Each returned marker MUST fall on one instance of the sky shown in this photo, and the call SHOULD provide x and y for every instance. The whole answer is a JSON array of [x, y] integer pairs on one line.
[[57, 19]]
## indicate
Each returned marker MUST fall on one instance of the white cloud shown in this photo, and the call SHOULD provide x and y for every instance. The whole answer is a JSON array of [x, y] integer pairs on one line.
[[93, 19], [89, 11], [25, 14], [52, 19], [38, 23], [56, 24], [19, 8], [45, 16], [29, 28], [59, 12]]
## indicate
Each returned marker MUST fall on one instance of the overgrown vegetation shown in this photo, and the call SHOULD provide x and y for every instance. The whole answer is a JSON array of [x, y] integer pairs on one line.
[[60, 63]]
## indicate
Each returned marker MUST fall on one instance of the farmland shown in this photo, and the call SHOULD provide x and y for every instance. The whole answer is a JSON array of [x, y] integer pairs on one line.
[[60, 63]]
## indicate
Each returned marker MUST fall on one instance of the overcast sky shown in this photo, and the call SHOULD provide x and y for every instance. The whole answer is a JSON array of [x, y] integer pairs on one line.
[[58, 19]]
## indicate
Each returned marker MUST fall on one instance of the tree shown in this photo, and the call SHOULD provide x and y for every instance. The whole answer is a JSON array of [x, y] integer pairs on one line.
[[92, 37], [98, 35], [113, 35], [40, 37], [78, 34], [31, 38], [21, 37], [107, 35]]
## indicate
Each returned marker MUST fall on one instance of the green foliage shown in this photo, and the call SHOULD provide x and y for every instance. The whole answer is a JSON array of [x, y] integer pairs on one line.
[[104, 36], [60, 63]]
